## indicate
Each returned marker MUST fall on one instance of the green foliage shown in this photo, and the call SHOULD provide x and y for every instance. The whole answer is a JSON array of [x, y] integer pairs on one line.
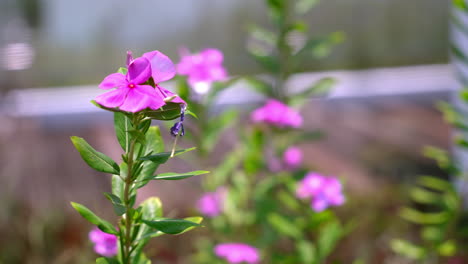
[[175, 176], [94, 219], [93, 158], [143, 153], [260, 206]]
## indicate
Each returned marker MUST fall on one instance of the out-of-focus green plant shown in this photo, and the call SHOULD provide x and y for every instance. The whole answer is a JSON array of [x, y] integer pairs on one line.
[[256, 189], [438, 203]]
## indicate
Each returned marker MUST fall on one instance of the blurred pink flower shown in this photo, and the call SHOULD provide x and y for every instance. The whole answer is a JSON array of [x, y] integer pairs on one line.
[[277, 114], [131, 93], [211, 204], [292, 157], [104, 244], [237, 253], [202, 69], [323, 191]]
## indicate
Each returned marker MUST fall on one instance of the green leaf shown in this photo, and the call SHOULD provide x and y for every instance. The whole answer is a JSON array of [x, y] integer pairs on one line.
[[307, 251], [329, 236], [407, 249], [188, 112], [122, 70], [303, 6], [435, 183], [117, 182], [176, 176], [447, 248], [260, 86], [106, 261], [93, 158], [421, 195], [171, 226], [461, 4], [94, 219], [119, 207], [441, 157], [418, 217], [163, 157], [319, 47], [155, 144], [122, 126], [170, 111], [152, 209], [284, 225], [320, 87]]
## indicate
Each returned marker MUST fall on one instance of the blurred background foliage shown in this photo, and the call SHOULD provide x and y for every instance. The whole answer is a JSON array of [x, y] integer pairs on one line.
[[66, 36], [375, 143]]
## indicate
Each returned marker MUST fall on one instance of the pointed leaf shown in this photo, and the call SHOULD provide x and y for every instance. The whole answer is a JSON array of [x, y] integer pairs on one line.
[[93, 158], [94, 219], [122, 126], [119, 207], [176, 176], [106, 261], [171, 226], [163, 157]]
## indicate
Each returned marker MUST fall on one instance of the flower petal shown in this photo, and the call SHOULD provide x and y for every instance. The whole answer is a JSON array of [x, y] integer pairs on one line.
[[139, 71], [114, 80], [113, 98], [140, 98], [157, 100], [162, 67], [166, 93], [212, 56]]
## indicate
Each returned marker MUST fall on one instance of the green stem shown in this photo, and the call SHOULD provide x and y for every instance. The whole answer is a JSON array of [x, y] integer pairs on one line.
[[129, 180]]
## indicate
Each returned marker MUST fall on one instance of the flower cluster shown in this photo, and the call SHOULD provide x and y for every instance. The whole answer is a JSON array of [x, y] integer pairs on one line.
[[202, 69], [104, 244], [237, 253], [139, 88], [277, 114], [324, 191], [211, 204]]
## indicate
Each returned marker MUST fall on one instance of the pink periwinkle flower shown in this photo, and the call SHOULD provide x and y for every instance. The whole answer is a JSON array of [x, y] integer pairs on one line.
[[323, 191], [292, 157], [277, 114], [104, 244], [211, 204], [132, 93], [202, 69], [237, 253]]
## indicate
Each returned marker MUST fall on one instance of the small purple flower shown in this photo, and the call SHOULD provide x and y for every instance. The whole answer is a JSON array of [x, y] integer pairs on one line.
[[277, 114], [292, 157], [104, 244], [202, 69], [211, 204], [131, 93], [178, 128], [237, 253], [323, 191]]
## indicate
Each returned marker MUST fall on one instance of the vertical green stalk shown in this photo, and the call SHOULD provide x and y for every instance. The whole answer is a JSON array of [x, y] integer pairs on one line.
[[283, 53], [128, 184]]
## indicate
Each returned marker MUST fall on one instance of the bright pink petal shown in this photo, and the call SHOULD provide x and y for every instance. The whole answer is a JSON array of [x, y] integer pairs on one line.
[[114, 80], [166, 94], [212, 56], [140, 98], [139, 71], [112, 99], [162, 67], [157, 100]]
